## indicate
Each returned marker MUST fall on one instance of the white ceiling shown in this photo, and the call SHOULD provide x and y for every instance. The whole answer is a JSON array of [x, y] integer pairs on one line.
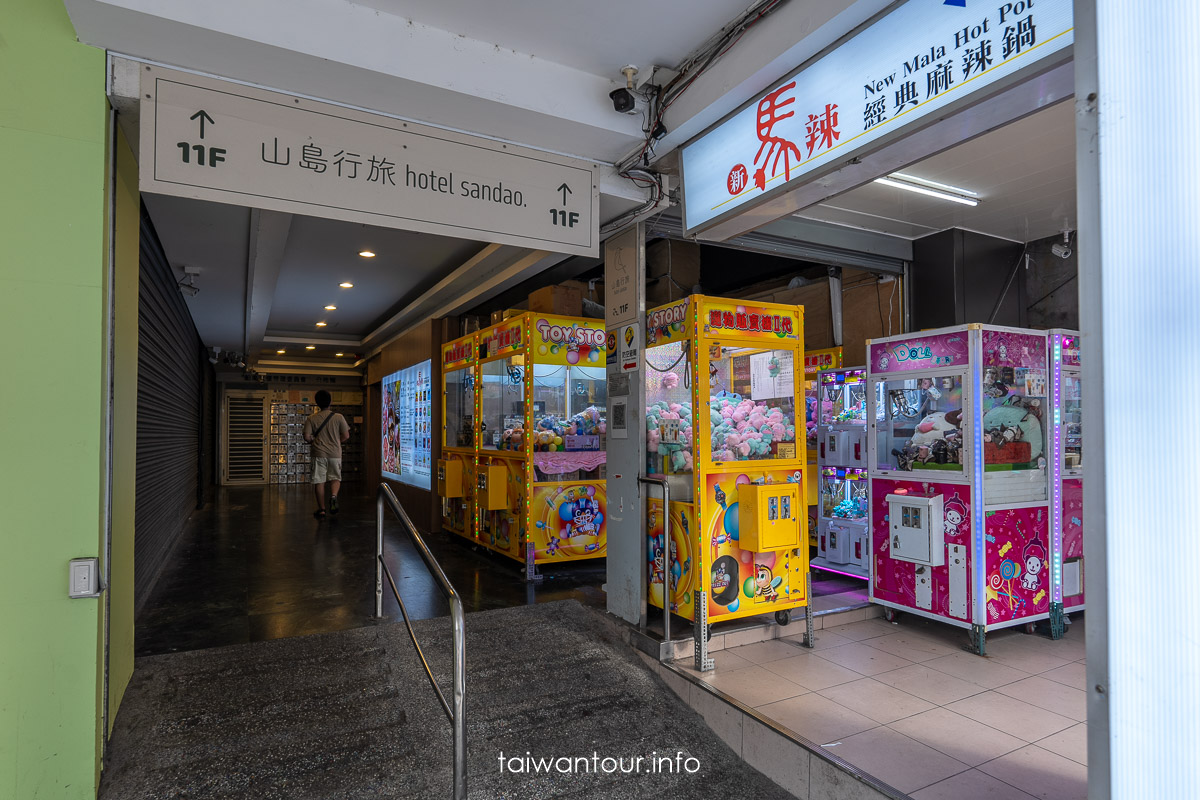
[[319, 254], [598, 38], [323, 253], [1023, 173]]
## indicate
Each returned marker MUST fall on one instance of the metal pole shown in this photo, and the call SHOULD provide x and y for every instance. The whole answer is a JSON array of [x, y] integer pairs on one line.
[[460, 704], [666, 490], [379, 556]]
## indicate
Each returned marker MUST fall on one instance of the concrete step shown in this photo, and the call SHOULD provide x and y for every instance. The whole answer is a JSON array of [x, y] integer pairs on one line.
[[351, 715]]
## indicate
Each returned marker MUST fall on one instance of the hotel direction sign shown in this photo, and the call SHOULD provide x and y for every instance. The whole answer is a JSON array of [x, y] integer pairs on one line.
[[212, 140], [882, 81]]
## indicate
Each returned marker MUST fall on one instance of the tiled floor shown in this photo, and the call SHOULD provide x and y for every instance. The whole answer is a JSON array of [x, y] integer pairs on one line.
[[905, 703]]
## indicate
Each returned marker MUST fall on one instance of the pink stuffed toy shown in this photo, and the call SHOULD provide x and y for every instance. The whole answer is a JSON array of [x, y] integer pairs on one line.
[[670, 381]]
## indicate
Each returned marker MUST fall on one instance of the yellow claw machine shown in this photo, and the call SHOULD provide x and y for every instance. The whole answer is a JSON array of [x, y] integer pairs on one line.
[[724, 426], [456, 467], [541, 409]]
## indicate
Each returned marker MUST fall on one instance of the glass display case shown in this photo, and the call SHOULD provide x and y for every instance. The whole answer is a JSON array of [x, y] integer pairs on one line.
[[540, 461], [918, 423], [460, 407], [723, 402], [959, 511], [1066, 479], [502, 402], [843, 488], [455, 473]]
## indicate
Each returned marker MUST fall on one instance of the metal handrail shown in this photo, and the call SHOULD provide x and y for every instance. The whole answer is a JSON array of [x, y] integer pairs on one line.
[[666, 490], [457, 714]]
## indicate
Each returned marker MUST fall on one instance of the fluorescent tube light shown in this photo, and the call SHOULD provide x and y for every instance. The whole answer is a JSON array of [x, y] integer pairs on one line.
[[907, 183]]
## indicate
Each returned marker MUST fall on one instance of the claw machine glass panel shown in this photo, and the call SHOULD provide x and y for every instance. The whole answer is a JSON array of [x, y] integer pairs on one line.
[[723, 399], [842, 486], [455, 470], [960, 518], [1066, 481], [543, 459], [814, 362]]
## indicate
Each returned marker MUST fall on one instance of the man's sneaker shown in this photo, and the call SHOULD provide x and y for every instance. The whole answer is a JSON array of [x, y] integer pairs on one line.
[[333, 504]]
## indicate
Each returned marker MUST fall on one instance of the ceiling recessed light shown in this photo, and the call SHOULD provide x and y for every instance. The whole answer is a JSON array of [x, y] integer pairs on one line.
[[322, 324], [346, 285], [331, 308], [339, 355], [311, 347], [366, 253], [281, 352]]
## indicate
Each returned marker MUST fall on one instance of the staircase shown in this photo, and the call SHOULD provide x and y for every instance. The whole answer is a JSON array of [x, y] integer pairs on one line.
[[350, 715]]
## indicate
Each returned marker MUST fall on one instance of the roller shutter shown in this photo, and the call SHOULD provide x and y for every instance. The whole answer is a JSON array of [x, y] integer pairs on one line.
[[171, 366]]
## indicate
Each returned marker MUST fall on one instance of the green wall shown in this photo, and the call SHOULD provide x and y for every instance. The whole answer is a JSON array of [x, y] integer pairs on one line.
[[52, 202]]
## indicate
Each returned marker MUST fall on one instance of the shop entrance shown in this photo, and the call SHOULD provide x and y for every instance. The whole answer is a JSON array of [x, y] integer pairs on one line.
[[992, 228], [339, 261]]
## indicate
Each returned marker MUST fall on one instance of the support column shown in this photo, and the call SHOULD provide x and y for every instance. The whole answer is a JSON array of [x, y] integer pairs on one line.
[[1138, 168], [625, 308]]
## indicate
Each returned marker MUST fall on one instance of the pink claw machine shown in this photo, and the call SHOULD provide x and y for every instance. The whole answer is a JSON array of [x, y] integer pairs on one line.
[[961, 522], [1066, 478]]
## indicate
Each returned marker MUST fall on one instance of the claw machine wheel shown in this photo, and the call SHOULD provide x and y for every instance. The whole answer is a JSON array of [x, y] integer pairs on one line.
[[891, 614], [783, 617]]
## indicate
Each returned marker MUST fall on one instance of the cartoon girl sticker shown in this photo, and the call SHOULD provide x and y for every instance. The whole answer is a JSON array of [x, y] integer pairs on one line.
[[955, 514], [1035, 560]]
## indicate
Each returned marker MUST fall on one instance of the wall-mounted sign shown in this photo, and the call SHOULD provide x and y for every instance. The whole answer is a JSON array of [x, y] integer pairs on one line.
[[628, 339], [894, 73], [214, 140]]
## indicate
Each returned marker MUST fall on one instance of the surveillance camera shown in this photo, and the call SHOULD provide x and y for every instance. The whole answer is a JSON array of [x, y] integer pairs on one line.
[[622, 100], [1061, 250]]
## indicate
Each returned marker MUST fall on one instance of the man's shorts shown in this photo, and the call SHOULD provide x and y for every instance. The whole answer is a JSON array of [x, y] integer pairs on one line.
[[326, 469]]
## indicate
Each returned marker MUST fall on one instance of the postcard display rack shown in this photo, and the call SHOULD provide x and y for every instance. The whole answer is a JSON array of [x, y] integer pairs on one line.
[[1066, 480], [961, 522], [814, 362], [538, 474], [843, 488], [724, 426], [291, 457]]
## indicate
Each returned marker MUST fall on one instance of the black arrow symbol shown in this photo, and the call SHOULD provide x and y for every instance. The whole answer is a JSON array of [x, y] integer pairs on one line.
[[203, 115], [566, 190]]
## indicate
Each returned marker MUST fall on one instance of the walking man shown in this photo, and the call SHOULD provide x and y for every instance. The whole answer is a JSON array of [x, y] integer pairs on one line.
[[325, 431]]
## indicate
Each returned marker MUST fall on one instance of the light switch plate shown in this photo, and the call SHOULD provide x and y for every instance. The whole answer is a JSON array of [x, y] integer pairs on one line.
[[84, 578]]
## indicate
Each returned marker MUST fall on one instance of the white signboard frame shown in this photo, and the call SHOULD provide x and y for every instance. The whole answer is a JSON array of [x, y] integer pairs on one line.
[[891, 77], [214, 140]]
